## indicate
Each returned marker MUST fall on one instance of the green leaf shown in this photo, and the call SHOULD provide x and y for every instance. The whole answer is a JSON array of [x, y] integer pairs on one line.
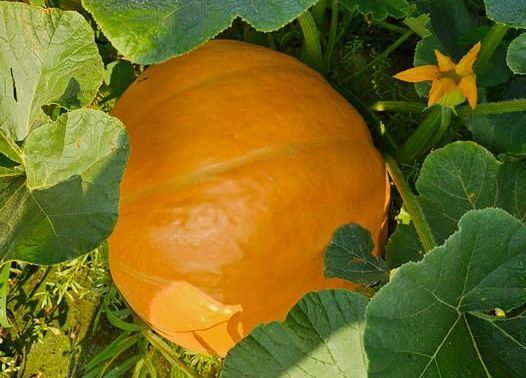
[[154, 31], [464, 176], [47, 56], [321, 337], [425, 54], [450, 21], [403, 246], [502, 133], [69, 203], [517, 55], [123, 342], [10, 172], [502, 341], [9, 149], [121, 369], [422, 323], [123, 325], [349, 256], [419, 25], [118, 76], [379, 9], [510, 12]]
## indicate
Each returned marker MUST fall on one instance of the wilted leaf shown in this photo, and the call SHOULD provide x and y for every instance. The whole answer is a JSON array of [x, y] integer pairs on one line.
[[321, 337], [349, 256], [154, 31], [46, 57], [427, 320]]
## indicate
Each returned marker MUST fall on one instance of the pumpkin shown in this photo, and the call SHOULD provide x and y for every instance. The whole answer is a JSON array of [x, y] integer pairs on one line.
[[243, 163]]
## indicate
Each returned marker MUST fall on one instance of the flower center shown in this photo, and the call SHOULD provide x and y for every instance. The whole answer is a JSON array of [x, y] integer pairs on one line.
[[453, 75]]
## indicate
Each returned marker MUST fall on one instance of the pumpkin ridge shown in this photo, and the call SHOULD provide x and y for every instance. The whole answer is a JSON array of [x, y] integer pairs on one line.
[[258, 155]]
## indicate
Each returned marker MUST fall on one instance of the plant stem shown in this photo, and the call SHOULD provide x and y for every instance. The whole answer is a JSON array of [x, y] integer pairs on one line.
[[411, 204], [482, 109], [490, 43], [429, 132], [399, 106], [494, 108], [167, 352], [386, 52], [312, 41], [4, 286], [332, 32], [318, 12], [388, 26], [382, 138]]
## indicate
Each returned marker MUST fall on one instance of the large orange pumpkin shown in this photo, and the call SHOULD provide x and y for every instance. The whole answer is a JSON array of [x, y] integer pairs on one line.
[[243, 163]]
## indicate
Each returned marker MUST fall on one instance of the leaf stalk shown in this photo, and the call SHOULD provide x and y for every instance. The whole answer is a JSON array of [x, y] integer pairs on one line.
[[411, 204]]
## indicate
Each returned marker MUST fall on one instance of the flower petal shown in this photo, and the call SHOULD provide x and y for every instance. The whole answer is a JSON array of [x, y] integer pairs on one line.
[[439, 88], [445, 63], [468, 87], [465, 66], [418, 74]]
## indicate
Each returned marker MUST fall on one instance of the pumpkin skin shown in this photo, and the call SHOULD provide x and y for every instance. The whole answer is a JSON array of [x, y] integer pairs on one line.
[[243, 163]]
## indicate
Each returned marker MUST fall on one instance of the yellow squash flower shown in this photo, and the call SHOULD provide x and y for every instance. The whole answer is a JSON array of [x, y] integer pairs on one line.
[[451, 83]]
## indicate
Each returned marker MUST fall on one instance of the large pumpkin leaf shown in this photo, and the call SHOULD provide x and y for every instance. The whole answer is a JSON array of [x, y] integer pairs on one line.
[[511, 12], [502, 133], [321, 337], [460, 177], [46, 57], [379, 9], [517, 55], [154, 31], [450, 21], [349, 256], [403, 246], [68, 203], [464, 176], [431, 319]]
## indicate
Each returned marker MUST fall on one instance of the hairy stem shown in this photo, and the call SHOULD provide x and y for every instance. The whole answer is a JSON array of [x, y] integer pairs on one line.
[[389, 26], [428, 132], [332, 32], [398, 106], [494, 108], [4, 278], [312, 45], [490, 43], [410, 204], [318, 12]]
